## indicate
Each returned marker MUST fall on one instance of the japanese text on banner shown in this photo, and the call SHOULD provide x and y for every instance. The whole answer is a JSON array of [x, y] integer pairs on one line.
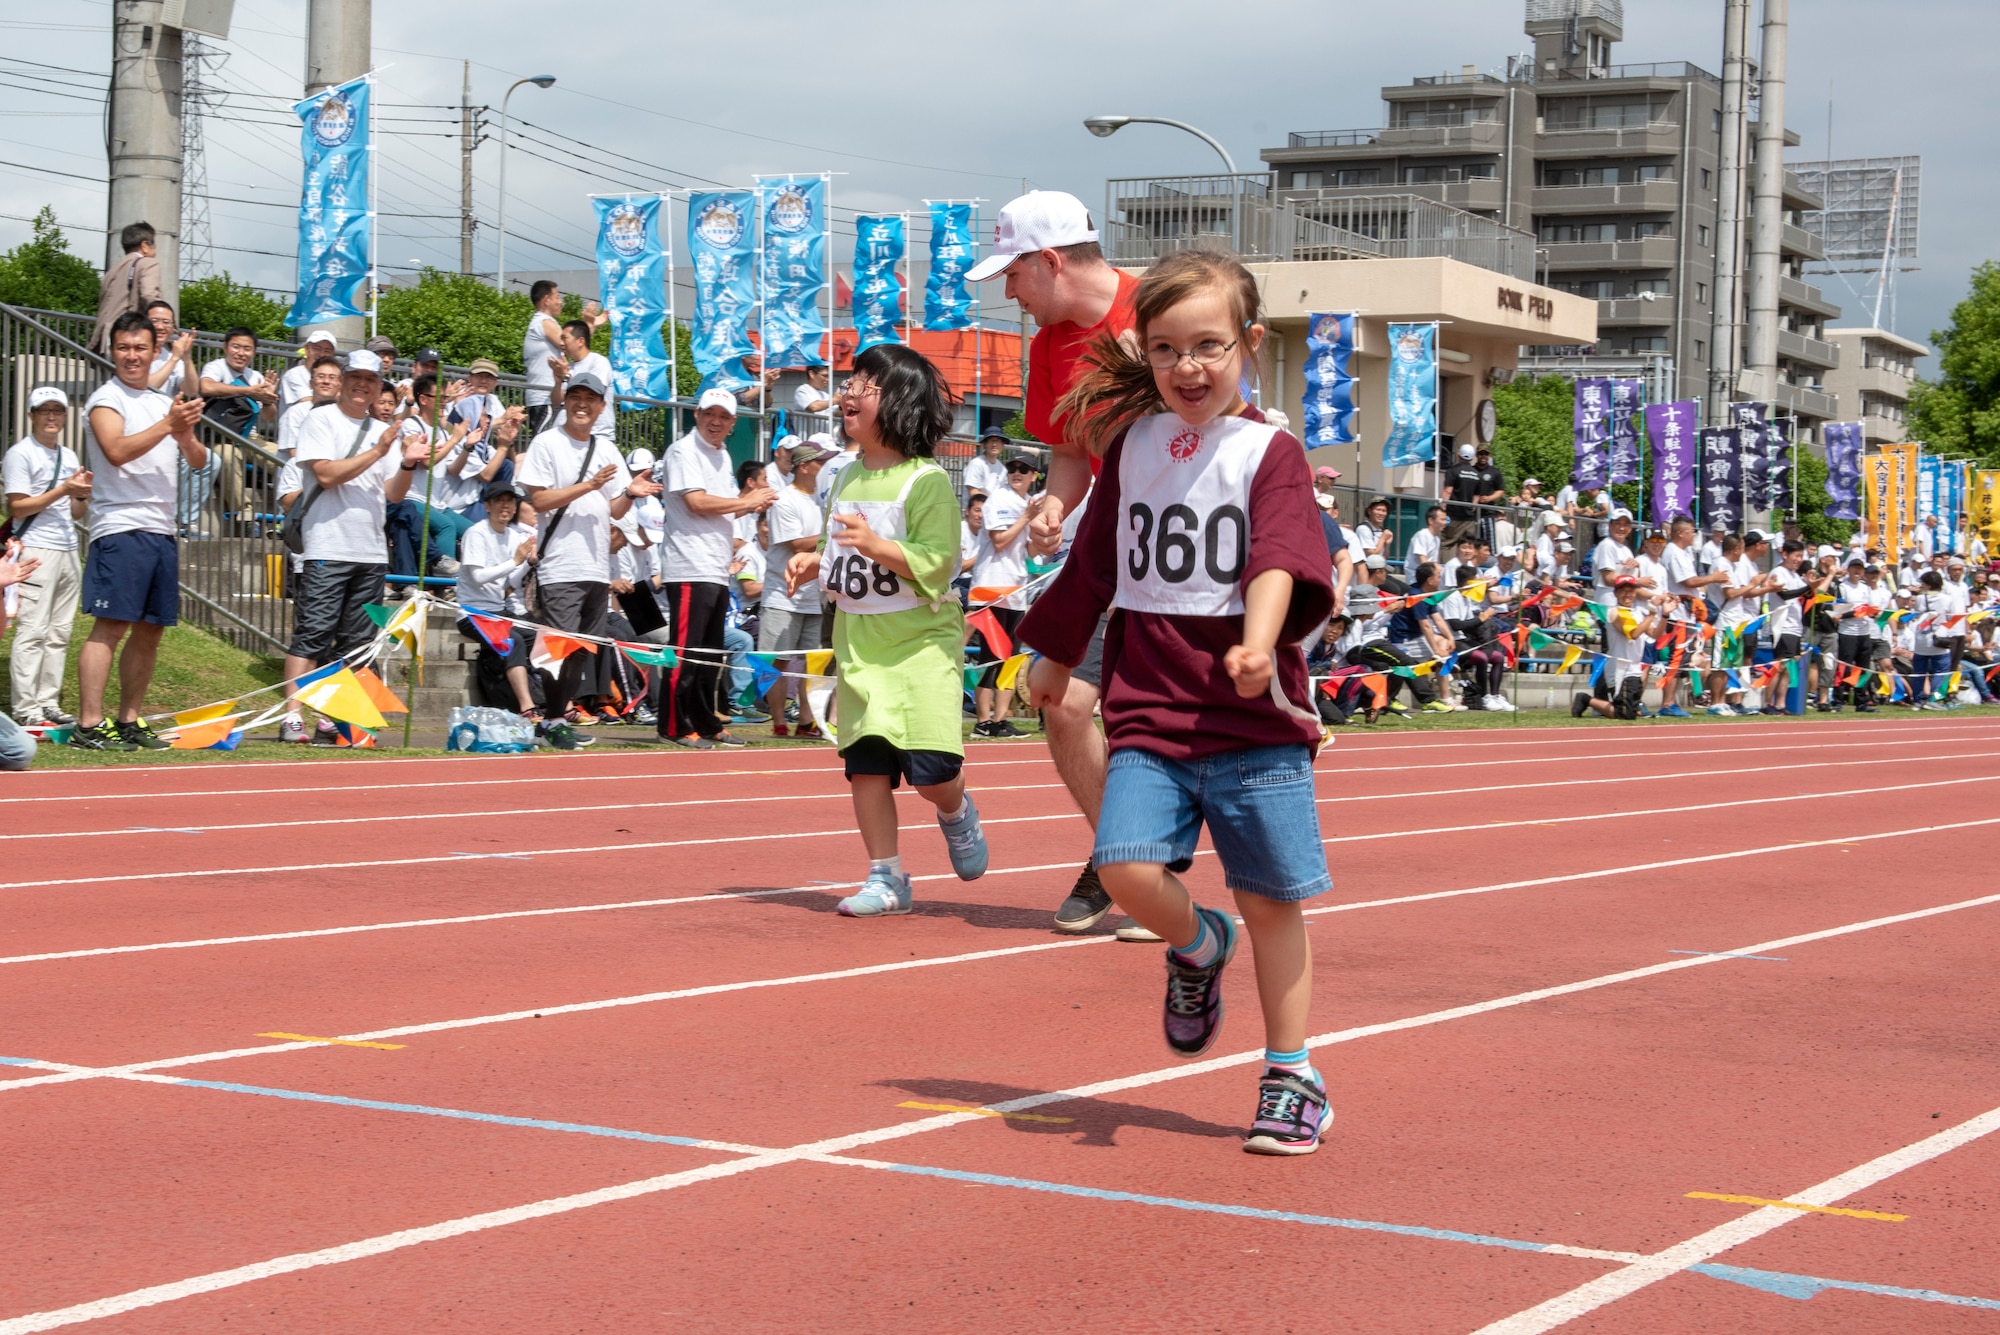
[[1412, 395], [721, 248], [947, 303], [334, 208], [795, 254], [878, 287], [1329, 389], [633, 268]]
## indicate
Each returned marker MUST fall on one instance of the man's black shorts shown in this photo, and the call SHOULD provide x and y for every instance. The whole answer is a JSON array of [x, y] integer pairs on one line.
[[924, 769]]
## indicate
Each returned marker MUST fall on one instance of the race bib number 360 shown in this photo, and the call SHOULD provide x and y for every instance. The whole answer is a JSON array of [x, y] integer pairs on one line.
[[1184, 514]]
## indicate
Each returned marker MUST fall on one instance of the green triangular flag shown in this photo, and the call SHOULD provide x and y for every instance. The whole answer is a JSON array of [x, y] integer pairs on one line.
[[377, 614]]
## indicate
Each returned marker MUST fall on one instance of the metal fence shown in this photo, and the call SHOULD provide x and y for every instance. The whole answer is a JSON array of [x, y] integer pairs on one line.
[[1152, 216]]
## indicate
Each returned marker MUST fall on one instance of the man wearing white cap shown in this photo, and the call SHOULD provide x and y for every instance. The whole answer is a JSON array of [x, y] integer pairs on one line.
[[778, 471], [46, 494], [701, 501], [295, 385], [1613, 557], [353, 466], [831, 470], [1046, 245]]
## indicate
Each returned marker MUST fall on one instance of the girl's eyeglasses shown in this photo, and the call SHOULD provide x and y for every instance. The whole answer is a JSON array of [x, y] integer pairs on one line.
[[1166, 357]]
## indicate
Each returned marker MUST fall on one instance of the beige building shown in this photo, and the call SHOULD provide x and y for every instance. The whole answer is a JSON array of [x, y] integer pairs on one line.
[[1872, 382], [1485, 317]]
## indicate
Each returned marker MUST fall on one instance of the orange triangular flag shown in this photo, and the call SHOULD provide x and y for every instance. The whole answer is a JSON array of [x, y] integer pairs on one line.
[[201, 736], [378, 691]]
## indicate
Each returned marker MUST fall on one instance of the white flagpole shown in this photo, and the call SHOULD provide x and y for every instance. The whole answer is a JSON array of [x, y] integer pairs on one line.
[[374, 218]]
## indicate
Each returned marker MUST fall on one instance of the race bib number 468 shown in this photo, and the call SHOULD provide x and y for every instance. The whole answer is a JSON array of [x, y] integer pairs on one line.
[[854, 576]]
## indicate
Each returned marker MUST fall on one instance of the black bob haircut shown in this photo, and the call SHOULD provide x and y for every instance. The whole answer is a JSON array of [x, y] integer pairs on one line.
[[914, 411]]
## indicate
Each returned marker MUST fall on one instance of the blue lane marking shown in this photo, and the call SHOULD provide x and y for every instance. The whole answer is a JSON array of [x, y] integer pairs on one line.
[[1730, 954], [1801, 1287]]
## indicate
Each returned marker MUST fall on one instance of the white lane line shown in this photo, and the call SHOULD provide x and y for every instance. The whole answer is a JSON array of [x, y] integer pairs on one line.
[[755, 984], [1321, 773], [1330, 758], [389, 1242], [1605, 1289], [648, 845]]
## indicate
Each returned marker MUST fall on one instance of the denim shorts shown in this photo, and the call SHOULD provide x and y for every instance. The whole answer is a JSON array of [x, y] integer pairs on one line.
[[1258, 805]]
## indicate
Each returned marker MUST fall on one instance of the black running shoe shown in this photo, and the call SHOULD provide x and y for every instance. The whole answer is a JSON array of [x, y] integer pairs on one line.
[[1579, 704], [1087, 903], [561, 736], [1193, 1014], [140, 736], [104, 737]]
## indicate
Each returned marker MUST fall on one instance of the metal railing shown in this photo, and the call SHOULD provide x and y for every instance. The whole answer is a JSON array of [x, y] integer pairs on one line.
[[1150, 217]]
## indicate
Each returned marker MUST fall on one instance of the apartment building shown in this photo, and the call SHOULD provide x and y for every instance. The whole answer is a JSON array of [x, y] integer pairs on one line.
[[1872, 383], [1611, 168]]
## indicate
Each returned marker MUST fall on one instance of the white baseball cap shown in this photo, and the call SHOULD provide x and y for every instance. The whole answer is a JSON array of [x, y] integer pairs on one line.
[[363, 360], [1825, 550], [1038, 220], [823, 439], [787, 442], [716, 398], [639, 458], [46, 394], [319, 336], [1466, 451]]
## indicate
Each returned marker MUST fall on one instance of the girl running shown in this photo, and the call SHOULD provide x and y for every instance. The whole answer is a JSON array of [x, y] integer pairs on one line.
[[1203, 536], [890, 549]]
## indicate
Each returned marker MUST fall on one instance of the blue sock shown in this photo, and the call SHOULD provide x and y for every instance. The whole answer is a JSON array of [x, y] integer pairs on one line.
[[1205, 949], [1297, 1063]]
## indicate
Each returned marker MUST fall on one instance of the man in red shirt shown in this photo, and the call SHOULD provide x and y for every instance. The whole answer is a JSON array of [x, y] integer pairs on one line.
[[1045, 244]]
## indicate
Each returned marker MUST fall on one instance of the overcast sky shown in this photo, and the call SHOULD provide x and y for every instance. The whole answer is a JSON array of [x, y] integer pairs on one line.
[[917, 101]]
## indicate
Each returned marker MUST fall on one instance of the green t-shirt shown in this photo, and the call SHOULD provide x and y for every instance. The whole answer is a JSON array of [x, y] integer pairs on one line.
[[901, 673]]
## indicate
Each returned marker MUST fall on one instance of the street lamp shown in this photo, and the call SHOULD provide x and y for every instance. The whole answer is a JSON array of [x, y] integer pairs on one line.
[[1106, 126], [540, 81]]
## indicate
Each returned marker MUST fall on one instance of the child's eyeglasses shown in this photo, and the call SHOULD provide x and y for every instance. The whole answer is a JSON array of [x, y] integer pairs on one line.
[[1165, 357]]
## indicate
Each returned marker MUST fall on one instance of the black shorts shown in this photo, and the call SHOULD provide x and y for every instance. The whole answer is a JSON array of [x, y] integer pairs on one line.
[[330, 619], [1785, 646], [924, 769]]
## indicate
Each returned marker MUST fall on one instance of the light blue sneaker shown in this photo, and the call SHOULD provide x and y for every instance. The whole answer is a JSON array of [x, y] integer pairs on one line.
[[880, 896], [1675, 711], [966, 841]]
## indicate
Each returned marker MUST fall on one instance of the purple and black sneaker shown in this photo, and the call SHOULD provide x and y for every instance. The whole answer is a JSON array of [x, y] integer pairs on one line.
[[1193, 1013], [1291, 1113]]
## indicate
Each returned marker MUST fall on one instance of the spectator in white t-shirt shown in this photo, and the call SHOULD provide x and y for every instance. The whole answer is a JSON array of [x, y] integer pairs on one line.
[[986, 473], [322, 386], [790, 621], [354, 465], [47, 493], [831, 470], [1613, 557], [171, 349], [541, 345], [578, 358], [1632, 622], [1424, 543], [477, 408], [495, 559], [135, 438], [1374, 539], [816, 394], [578, 485], [295, 385], [702, 501], [17, 745], [778, 472], [1002, 564], [1743, 591]]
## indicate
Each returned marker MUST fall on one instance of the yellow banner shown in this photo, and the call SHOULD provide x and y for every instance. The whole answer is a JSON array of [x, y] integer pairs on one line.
[[1906, 481], [1883, 501], [1985, 503]]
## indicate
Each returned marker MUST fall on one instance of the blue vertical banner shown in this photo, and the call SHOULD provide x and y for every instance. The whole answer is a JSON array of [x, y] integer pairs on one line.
[[947, 303], [633, 269], [1590, 433], [1952, 518], [1413, 394], [1722, 477], [795, 255], [335, 214], [1843, 443], [722, 246], [1628, 398], [1329, 396], [1930, 472], [879, 245], [1670, 428]]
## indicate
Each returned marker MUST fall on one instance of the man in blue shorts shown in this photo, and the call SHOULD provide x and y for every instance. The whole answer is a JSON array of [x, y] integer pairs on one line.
[[135, 439]]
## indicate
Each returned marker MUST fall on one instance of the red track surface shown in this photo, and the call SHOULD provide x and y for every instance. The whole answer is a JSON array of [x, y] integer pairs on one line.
[[1593, 859]]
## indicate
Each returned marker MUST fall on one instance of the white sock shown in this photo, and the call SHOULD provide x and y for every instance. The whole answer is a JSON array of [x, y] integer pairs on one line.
[[893, 865], [964, 805]]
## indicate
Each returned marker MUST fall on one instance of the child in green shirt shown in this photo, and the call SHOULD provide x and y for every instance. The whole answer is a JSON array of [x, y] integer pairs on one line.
[[886, 561]]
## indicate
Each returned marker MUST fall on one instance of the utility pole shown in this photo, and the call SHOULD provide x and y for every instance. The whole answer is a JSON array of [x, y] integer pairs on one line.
[[1722, 341], [337, 49], [143, 135], [466, 143], [1767, 210]]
